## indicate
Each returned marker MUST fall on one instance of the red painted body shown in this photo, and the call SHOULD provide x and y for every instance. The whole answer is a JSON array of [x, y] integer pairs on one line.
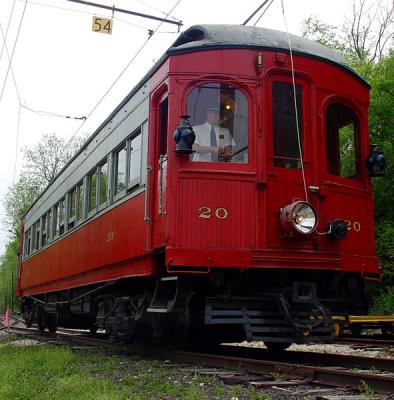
[[253, 193]]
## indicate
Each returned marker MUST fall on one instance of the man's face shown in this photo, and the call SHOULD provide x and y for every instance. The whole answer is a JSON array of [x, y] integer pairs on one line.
[[213, 117]]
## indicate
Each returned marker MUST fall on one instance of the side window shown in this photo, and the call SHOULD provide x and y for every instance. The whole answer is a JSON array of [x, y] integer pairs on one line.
[[59, 218], [120, 162], [102, 182], [34, 237], [72, 207], [92, 191], [135, 160], [49, 226], [44, 227], [79, 201], [219, 116], [286, 149], [342, 147], [28, 242], [37, 238], [62, 216]]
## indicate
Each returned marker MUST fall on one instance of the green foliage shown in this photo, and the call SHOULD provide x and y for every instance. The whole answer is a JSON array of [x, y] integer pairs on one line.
[[47, 372], [8, 275], [326, 35], [42, 163]]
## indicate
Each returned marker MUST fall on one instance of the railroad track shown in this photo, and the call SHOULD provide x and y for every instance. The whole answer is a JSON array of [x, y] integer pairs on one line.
[[320, 368], [13, 320], [367, 341]]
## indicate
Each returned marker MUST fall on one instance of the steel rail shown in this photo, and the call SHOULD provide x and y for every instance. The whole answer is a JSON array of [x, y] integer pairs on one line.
[[308, 357], [369, 341], [320, 375], [330, 376]]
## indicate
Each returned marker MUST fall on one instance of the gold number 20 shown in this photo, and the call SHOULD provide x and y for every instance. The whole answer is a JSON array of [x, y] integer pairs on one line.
[[206, 213]]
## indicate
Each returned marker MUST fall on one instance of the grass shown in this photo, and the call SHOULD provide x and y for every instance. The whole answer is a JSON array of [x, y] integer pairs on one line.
[[56, 372]]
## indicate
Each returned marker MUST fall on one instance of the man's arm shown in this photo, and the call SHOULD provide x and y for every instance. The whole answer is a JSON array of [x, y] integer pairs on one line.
[[204, 149]]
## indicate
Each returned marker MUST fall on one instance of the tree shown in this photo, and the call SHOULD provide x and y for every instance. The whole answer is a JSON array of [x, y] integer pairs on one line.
[[42, 163], [45, 160]]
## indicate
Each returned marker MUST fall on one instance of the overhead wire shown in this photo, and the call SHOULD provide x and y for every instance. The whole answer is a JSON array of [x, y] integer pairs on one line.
[[36, 3], [8, 26], [51, 114], [158, 10], [10, 63], [295, 102], [118, 77], [13, 50]]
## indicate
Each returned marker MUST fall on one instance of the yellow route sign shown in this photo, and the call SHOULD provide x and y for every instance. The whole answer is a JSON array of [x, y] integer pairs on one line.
[[102, 25]]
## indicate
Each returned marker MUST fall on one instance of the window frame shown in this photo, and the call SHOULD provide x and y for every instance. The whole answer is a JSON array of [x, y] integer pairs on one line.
[[106, 203], [89, 176], [118, 149], [71, 219], [44, 227], [302, 123], [250, 122], [358, 127], [135, 183]]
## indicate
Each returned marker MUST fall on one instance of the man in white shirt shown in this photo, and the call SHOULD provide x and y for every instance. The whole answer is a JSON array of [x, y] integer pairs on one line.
[[212, 143]]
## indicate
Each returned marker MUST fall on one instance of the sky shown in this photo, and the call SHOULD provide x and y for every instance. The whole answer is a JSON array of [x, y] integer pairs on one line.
[[63, 68]]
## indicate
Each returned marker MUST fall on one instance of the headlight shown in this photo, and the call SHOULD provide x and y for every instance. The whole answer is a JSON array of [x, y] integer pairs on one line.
[[298, 217]]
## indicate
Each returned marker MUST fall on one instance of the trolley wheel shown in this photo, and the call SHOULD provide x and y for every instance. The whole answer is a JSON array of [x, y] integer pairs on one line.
[[277, 346], [41, 321], [52, 323]]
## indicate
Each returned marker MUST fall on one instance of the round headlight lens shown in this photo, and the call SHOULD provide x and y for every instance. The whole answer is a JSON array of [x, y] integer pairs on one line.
[[298, 217], [304, 217]]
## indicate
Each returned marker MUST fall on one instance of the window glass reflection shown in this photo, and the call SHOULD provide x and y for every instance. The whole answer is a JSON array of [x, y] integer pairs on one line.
[[219, 116]]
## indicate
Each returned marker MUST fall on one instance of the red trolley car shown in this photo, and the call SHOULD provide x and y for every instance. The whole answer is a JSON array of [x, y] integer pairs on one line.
[[256, 223]]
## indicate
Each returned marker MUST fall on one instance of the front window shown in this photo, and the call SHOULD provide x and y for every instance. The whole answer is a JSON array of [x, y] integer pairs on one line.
[[342, 126], [219, 116], [286, 137]]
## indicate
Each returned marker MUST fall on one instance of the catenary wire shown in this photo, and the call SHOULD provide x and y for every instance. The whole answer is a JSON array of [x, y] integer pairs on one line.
[[157, 9], [6, 31], [36, 3], [43, 113], [118, 77], [10, 63], [295, 102], [264, 11], [13, 50]]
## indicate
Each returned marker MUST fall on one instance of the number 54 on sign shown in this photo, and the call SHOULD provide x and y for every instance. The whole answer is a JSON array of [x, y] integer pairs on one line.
[[102, 25]]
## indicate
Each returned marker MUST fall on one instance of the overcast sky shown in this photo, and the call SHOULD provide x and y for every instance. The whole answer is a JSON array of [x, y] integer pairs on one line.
[[62, 67]]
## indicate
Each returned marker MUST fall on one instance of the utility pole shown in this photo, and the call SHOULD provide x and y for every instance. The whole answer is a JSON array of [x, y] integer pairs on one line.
[[122, 10], [12, 292]]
